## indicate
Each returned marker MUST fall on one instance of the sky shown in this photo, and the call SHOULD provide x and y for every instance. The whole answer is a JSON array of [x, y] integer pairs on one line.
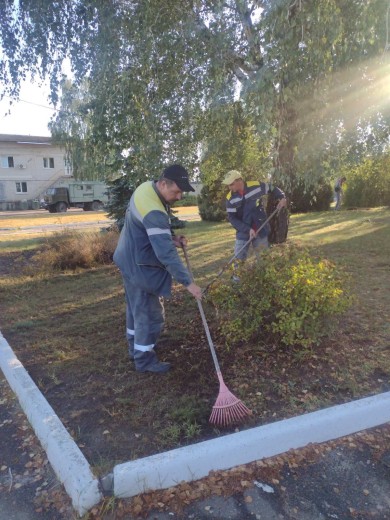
[[29, 116]]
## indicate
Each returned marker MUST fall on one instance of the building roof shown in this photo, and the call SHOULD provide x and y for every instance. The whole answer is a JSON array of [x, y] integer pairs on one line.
[[25, 139]]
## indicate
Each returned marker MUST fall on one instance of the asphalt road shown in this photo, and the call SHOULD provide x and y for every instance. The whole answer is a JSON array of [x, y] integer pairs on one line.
[[5, 230], [100, 222]]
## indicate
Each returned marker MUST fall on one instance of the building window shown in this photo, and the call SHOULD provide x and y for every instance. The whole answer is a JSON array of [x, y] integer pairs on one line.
[[48, 162], [7, 162], [21, 187]]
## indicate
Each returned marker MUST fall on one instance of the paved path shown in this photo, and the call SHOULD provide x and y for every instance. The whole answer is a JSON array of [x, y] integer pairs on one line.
[[100, 222], [48, 228]]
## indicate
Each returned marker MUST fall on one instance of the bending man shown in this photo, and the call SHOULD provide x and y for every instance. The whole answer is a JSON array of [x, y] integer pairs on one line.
[[148, 260], [246, 213]]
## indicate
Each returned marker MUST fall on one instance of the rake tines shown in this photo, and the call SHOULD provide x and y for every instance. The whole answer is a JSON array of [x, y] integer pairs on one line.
[[228, 409]]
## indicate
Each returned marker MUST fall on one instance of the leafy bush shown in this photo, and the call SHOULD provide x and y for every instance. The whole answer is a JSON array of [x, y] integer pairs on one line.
[[72, 250], [287, 296], [311, 198], [368, 185], [211, 204]]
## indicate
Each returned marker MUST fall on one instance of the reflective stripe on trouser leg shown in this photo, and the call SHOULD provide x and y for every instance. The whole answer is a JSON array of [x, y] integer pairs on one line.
[[147, 312], [129, 323], [129, 327]]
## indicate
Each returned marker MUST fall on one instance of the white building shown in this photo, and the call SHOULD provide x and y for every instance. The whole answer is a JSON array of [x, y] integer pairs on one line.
[[28, 166]]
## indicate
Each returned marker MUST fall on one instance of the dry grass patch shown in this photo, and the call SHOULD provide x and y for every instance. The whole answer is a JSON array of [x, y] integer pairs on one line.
[[72, 250]]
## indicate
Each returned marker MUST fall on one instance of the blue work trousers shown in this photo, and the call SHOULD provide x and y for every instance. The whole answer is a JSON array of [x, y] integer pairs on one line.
[[258, 244], [144, 317]]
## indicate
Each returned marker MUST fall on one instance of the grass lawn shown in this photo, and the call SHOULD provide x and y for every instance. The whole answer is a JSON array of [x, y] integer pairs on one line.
[[67, 329]]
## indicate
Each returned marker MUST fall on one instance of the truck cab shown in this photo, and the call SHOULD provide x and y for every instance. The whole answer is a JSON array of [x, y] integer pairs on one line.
[[56, 200]]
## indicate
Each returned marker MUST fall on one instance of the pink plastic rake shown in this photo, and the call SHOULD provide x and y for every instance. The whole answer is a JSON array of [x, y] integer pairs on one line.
[[228, 409]]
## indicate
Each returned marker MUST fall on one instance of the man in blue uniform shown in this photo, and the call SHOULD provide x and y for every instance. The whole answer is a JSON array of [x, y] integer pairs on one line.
[[148, 260], [246, 213]]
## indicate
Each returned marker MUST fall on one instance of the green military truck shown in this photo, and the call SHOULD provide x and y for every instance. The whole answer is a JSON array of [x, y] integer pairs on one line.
[[88, 195]]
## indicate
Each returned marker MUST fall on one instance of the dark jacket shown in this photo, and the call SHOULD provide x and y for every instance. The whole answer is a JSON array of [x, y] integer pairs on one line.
[[145, 252], [246, 211]]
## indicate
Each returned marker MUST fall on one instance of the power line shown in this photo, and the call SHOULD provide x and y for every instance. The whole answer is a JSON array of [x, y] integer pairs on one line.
[[32, 103]]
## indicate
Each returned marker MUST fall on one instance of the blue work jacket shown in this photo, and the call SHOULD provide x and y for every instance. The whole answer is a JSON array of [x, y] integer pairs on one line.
[[145, 252], [246, 211]]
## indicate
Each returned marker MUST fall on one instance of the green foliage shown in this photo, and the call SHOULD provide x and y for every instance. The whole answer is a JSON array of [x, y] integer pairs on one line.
[[288, 296], [230, 141], [120, 194], [211, 204], [163, 80], [71, 129], [311, 197], [185, 421], [368, 185], [189, 410]]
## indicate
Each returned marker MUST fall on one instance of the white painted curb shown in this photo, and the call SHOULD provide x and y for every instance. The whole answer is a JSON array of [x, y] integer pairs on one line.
[[194, 462], [69, 464], [184, 464]]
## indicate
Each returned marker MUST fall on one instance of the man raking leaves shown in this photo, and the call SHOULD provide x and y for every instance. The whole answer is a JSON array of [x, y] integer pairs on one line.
[[148, 260], [246, 213]]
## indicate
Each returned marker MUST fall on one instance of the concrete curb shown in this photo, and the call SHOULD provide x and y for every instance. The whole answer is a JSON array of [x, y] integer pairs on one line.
[[69, 464], [194, 462], [184, 464]]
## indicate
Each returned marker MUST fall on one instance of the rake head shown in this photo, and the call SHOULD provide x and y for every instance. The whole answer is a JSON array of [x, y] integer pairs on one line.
[[228, 409]]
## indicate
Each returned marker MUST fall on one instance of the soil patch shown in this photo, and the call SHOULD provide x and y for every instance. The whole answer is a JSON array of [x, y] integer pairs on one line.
[[116, 414]]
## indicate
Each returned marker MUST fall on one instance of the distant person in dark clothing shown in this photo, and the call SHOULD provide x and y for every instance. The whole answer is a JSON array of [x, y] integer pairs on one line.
[[338, 190]]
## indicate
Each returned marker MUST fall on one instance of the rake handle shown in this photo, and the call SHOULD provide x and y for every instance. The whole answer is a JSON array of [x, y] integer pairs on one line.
[[238, 252], [204, 321]]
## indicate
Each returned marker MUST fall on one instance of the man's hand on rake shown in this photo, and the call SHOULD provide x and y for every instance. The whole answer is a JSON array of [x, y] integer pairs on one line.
[[180, 240], [281, 204]]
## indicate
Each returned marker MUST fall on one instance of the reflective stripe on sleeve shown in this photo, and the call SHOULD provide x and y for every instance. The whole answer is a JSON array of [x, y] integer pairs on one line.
[[158, 231], [252, 192], [231, 210]]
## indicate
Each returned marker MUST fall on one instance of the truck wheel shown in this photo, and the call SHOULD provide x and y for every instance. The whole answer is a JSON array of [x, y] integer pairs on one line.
[[61, 207], [87, 206], [96, 205]]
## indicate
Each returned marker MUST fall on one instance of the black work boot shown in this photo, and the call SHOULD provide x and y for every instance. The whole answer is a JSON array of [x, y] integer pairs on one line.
[[148, 362]]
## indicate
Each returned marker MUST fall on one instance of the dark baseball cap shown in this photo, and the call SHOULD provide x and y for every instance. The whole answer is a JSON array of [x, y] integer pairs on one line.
[[179, 175]]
